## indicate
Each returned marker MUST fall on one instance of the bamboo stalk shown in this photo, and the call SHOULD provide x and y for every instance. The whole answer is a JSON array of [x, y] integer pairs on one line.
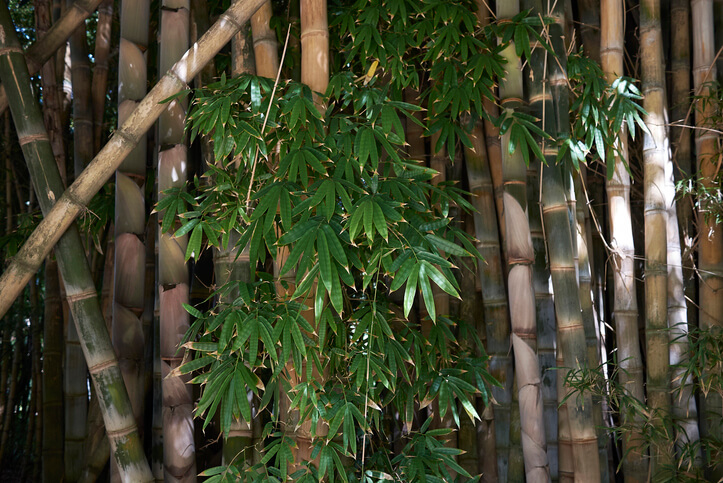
[[99, 82], [622, 261], [314, 45], [520, 257], [75, 381], [73, 201], [52, 453], [266, 48], [72, 261], [710, 243], [561, 250], [655, 160], [590, 27], [494, 299]]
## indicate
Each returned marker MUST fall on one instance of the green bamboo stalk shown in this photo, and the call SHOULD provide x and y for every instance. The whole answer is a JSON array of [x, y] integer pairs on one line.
[[520, 257], [655, 159], [560, 246], [71, 203], [80, 289], [52, 453], [494, 299]]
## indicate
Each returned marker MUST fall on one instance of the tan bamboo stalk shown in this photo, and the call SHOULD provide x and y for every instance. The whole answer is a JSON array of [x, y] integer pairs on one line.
[[545, 314], [99, 82], [46, 46], [561, 249], [227, 267], [51, 101], [73, 264], [684, 409], [494, 299], [75, 381], [622, 260], [266, 48], [314, 45], [680, 140], [52, 452], [520, 257], [130, 211], [710, 243], [69, 206], [655, 158], [179, 453]]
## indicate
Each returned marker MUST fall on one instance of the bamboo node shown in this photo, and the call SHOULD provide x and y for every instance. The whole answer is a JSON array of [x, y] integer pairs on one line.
[[31, 138], [101, 366], [81, 296], [13, 49], [119, 433]]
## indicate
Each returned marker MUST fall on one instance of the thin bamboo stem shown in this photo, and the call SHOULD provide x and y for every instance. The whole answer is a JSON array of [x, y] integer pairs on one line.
[[710, 243]]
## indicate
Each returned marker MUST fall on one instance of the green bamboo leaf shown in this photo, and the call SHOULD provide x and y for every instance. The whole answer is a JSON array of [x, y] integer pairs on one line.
[[427, 294], [440, 279], [335, 248], [447, 246], [379, 221], [241, 396], [369, 220], [298, 338], [196, 364], [324, 257], [194, 243], [410, 291], [402, 274]]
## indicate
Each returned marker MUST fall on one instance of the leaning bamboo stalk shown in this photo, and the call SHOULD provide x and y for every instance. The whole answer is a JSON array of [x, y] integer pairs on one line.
[[622, 259], [79, 285], [494, 299], [55, 38], [710, 243], [74, 200], [655, 159], [520, 257], [556, 217]]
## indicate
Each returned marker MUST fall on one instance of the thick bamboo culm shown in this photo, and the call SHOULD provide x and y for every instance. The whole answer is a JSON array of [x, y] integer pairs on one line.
[[130, 211], [79, 284], [266, 48], [710, 242], [561, 250], [314, 45], [520, 257], [655, 160], [179, 451], [625, 308]]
